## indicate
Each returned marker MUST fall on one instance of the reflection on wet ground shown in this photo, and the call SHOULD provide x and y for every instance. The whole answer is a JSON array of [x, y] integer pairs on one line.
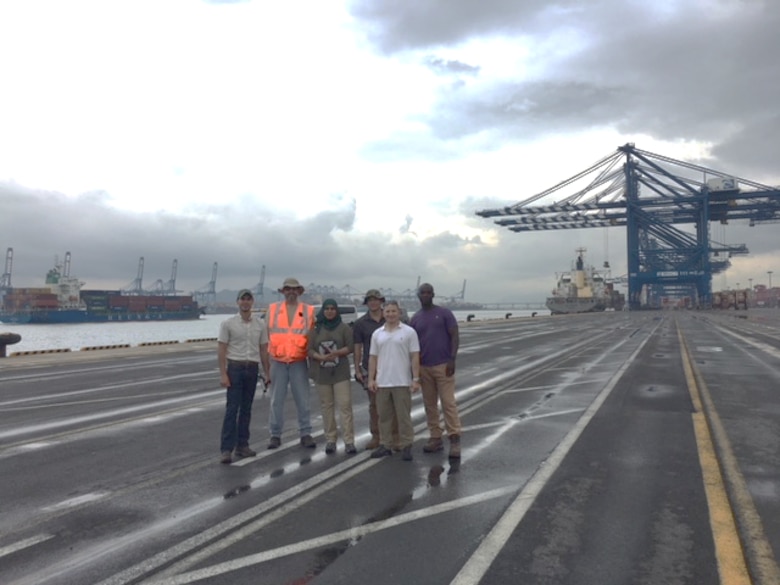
[[234, 492]]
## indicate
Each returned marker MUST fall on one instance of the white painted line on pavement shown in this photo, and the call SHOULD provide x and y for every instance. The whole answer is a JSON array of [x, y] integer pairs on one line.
[[757, 344], [549, 414], [104, 415], [77, 501], [351, 534], [22, 544], [479, 563], [35, 446], [144, 383], [304, 490]]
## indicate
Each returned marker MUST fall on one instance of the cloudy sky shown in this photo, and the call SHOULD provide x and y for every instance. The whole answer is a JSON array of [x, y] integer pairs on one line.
[[350, 142]]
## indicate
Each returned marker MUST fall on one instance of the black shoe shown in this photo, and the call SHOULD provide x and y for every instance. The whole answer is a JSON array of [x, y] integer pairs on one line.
[[274, 443], [330, 448], [350, 449], [308, 442], [380, 451], [406, 455]]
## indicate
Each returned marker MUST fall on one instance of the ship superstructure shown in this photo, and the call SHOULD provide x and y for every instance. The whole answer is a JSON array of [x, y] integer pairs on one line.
[[583, 289]]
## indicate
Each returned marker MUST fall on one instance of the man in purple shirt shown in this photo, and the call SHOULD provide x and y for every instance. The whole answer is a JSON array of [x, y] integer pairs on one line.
[[438, 332]]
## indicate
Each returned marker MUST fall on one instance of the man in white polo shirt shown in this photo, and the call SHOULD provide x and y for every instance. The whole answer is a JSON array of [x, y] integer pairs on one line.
[[393, 374]]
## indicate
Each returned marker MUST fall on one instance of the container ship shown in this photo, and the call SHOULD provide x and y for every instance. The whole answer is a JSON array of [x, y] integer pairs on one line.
[[583, 290], [61, 300]]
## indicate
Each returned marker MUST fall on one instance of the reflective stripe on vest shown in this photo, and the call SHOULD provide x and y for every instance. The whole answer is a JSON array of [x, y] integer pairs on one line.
[[289, 343]]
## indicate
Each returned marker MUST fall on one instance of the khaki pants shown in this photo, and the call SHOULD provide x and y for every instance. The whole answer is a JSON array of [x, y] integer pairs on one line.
[[438, 387], [373, 414], [332, 397], [395, 402]]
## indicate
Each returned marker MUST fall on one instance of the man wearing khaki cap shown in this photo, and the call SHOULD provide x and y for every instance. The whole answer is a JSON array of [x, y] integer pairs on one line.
[[289, 323]]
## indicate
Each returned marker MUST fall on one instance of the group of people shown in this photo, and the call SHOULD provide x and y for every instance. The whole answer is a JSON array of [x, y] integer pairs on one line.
[[393, 359]]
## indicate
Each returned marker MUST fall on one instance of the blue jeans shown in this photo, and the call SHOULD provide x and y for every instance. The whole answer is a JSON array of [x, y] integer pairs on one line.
[[238, 410], [296, 375]]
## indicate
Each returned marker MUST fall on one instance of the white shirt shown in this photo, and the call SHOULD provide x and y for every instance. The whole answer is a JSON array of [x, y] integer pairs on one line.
[[393, 350], [243, 338]]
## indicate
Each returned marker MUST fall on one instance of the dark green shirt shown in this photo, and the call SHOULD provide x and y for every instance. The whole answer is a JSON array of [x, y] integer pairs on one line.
[[323, 341], [362, 330]]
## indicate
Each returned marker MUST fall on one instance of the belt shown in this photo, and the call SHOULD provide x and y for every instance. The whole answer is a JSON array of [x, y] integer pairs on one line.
[[242, 363]]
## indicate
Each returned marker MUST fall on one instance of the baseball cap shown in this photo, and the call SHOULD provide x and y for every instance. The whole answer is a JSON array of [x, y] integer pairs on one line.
[[243, 292]]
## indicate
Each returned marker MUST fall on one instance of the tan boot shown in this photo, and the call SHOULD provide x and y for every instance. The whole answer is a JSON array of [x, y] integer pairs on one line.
[[434, 444], [373, 443], [454, 447]]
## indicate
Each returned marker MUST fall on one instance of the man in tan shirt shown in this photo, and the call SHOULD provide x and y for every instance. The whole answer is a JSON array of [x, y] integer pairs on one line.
[[242, 346]]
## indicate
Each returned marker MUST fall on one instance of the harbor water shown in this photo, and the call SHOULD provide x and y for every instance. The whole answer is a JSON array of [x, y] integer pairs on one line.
[[79, 335]]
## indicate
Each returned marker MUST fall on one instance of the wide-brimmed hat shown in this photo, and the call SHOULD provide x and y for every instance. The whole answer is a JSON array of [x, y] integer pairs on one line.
[[290, 282], [375, 294], [243, 292]]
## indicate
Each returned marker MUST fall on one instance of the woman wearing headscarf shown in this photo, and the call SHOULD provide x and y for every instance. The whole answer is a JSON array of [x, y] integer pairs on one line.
[[330, 342]]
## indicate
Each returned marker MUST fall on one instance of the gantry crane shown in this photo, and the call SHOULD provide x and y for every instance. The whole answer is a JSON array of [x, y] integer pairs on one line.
[[207, 296], [649, 194], [165, 288], [136, 285], [5, 280], [170, 286], [461, 296], [259, 287]]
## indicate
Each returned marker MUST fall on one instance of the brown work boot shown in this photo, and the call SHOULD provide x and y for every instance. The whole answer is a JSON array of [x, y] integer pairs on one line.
[[454, 447], [433, 445], [373, 443], [245, 451], [226, 458]]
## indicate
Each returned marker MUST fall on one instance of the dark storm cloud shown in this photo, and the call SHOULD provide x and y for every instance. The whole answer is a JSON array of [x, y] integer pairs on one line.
[[675, 71], [681, 74], [106, 245], [398, 26], [519, 110]]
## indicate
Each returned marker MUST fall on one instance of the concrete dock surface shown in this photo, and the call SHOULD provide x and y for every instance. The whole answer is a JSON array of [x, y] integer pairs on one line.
[[613, 448]]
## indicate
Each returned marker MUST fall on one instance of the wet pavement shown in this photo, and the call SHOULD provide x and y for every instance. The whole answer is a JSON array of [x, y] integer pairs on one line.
[[588, 449]]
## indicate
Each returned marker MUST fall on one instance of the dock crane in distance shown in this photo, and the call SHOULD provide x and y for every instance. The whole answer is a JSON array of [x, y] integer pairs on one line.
[[258, 290], [162, 288], [207, 295], [5, 280], [648, 195], [136, 286], [170, 287]]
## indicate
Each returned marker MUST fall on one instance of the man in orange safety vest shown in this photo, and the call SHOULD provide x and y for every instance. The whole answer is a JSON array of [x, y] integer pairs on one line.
[[289, 322]]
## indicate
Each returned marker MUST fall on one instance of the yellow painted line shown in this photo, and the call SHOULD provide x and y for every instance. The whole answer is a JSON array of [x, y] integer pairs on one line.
[[732, 567], [758, 551]]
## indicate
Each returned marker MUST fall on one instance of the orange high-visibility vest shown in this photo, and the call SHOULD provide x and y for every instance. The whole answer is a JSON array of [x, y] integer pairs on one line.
[[289, 343]]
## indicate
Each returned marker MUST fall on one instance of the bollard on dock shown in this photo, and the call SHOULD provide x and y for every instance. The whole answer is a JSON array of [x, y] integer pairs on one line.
[[8, 338]]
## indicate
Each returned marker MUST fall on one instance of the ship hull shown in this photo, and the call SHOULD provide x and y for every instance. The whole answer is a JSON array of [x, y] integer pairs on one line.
[[80, 316], [567, 305], [62, 300]]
